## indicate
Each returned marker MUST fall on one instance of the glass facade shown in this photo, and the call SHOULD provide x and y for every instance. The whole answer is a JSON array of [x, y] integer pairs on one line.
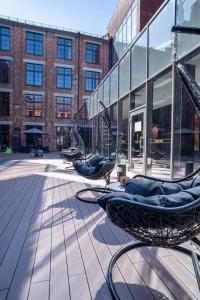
[[187, 15], [126, 32], [160, 40], [139, 61], [156, 128]]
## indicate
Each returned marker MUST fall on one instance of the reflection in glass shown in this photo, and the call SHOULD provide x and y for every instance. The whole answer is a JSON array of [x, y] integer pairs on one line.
[[136, 163], [160, 39], [113, 112], [124, 75], [188, 13], [139, 61], [138, 98], [159, 127], [106, 91], [123, 130], [187, 125], [114, 85]]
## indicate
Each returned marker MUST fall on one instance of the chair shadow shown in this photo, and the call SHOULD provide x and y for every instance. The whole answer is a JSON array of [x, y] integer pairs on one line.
[[69, 210], [105, 235], [130, 292]]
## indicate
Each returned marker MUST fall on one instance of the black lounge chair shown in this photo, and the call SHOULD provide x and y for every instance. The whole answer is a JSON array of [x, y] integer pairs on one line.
[[75, 151], [159, 212], [96, 166]]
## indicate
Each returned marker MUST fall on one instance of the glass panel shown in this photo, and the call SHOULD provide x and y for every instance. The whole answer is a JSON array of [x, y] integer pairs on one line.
[[123, 121], [107, 91], [187, 125], [137, 143], [113, 112], [114, 85], [159, 127], [95, 103], [100, 97], [129, 38], [124, 75], [134, 22], [160, 39], [188, 13], [139, 61], [138, 98]]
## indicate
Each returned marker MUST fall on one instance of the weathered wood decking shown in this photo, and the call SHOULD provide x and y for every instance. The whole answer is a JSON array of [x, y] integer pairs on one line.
[[55, 247]]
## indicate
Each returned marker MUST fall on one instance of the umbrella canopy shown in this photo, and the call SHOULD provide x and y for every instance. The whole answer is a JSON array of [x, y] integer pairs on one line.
[[35, 131]]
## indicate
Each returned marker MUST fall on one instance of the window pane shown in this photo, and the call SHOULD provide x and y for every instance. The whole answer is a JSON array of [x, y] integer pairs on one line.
[[187, 124], [188, 13], [107, 91], [92, 53], [33, 105], [33, 74], [4, 104], [124, 75], [114, 85], [138, 98], [160, 39], [34, 43], [159, 127], [4, 38], [4, 71], [139, 61]]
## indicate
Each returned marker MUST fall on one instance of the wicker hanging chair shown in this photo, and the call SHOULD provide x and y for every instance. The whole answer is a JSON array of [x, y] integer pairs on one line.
[[77, 150], [97, 166], [159, 212]]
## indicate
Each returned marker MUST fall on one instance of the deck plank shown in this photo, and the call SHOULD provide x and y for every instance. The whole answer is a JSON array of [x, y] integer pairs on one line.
[[60, 248], [22, 278], [59, 284]]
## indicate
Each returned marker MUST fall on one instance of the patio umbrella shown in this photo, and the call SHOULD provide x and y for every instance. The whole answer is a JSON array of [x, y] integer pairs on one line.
[[35, 131]]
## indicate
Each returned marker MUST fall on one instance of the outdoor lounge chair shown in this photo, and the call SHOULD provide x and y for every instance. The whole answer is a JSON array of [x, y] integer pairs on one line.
[[97, 166], [158, 212], [74, 151]]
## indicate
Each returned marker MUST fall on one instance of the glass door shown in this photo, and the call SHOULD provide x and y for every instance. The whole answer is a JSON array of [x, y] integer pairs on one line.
[[137, 147]]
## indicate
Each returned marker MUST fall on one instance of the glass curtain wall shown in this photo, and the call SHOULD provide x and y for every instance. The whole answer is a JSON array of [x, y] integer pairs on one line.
[[159, 126], [123, 121], [187, 125], [113, 114], [188, 13], [139, 61], [160, 40]]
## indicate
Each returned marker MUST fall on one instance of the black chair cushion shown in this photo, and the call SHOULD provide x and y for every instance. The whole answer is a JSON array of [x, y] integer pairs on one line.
[[156, 194], [173, 200], [149, 187], [94, 160]]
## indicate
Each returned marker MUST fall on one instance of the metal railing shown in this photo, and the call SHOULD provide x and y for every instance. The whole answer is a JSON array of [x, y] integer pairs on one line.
[[49, 26]]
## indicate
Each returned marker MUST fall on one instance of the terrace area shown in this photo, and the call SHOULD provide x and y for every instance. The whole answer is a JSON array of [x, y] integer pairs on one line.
[[53, 246]]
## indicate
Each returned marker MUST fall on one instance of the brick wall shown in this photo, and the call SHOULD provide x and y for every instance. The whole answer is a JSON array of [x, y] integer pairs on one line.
[[17, 86]]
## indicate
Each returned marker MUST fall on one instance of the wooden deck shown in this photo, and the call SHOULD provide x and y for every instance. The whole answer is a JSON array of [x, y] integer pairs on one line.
[[55, 247]]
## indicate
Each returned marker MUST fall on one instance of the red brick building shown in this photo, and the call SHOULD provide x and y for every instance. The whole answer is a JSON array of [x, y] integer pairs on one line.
[[46, 75]]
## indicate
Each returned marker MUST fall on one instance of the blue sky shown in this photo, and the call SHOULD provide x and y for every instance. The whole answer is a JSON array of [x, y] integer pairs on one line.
[[85, 15]]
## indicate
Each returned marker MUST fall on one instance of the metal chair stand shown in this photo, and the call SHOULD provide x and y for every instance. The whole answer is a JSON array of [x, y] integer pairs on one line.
[[194, 256], [94, 200]]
